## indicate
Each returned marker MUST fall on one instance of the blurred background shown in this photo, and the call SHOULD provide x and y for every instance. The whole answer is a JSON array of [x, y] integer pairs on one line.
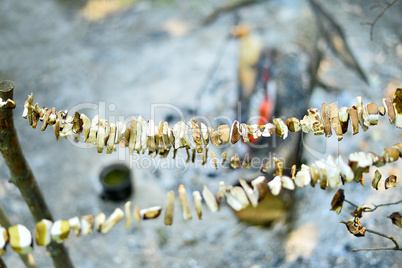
[[213, 61]]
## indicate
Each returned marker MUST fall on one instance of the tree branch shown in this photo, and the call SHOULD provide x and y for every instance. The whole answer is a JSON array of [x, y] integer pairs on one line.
[[22, 176], [226, 8], [347, 201], [381, 248], [373, 23], [382, 205]]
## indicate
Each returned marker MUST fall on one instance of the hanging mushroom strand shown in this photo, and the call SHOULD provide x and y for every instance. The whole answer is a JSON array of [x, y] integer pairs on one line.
[[141, 136], [324, 173]]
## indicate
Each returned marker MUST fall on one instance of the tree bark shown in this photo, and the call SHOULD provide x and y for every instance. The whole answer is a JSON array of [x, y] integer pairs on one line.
[[22, 176]]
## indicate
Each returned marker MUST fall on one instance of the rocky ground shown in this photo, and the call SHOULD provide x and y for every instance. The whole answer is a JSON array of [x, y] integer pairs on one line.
[[153, 58]]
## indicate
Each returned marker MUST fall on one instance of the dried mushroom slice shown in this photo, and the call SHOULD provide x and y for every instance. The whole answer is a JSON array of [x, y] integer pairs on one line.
[[110, 141], [169, 209], [269, 130], [28, 107], [224, 133], [196, 133], [281, 129], [197, 204], [354, 118], [184, 203], [46, 119], [75, 225], [360, 163], [236, 198], [293, 124], [86, 124], [260, 186], [133, 135], [101, 136], [344, 118], [127, 213], [334, 119], [204, 134], [234, 162], [60, 230], [235, 133], [21, 240], [93, 130], [214, 159], [138, 135], [391, 154], [362, 114], [114, 218], [378, 161], [397, 103], [315, 122], [99, 221], [373, 115], [325, 110], [42, 232], [303, 176], [214, 137], [389, 109], [210, 199], [151, 136], [87, 224], [275, 185], [150, 213], [251, 194]]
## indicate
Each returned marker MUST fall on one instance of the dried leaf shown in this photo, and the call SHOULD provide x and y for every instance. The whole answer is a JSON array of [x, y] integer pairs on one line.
[[355, 227], [396, 218], [391, 181], [337, 201], [235, 161], [376, 180]]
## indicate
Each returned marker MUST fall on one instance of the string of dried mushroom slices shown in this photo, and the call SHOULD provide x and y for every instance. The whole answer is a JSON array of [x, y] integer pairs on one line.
[[324, 173], [141, 136]]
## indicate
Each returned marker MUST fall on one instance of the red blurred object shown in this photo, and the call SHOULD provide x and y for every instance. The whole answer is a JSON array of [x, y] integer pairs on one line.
[[265, 110]]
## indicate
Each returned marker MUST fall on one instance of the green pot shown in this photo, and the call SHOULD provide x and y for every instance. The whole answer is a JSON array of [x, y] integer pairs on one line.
[[116, 182]]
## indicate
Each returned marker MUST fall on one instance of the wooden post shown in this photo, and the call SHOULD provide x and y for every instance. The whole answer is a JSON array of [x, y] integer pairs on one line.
[[22, 176]]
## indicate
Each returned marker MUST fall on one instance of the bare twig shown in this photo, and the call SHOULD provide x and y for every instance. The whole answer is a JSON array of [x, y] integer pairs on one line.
[[226, 8], [380, 248], [335, 37], [375, 206], [373, 23], [382, 205], [347, 201], [22, 176], [24, 258]]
